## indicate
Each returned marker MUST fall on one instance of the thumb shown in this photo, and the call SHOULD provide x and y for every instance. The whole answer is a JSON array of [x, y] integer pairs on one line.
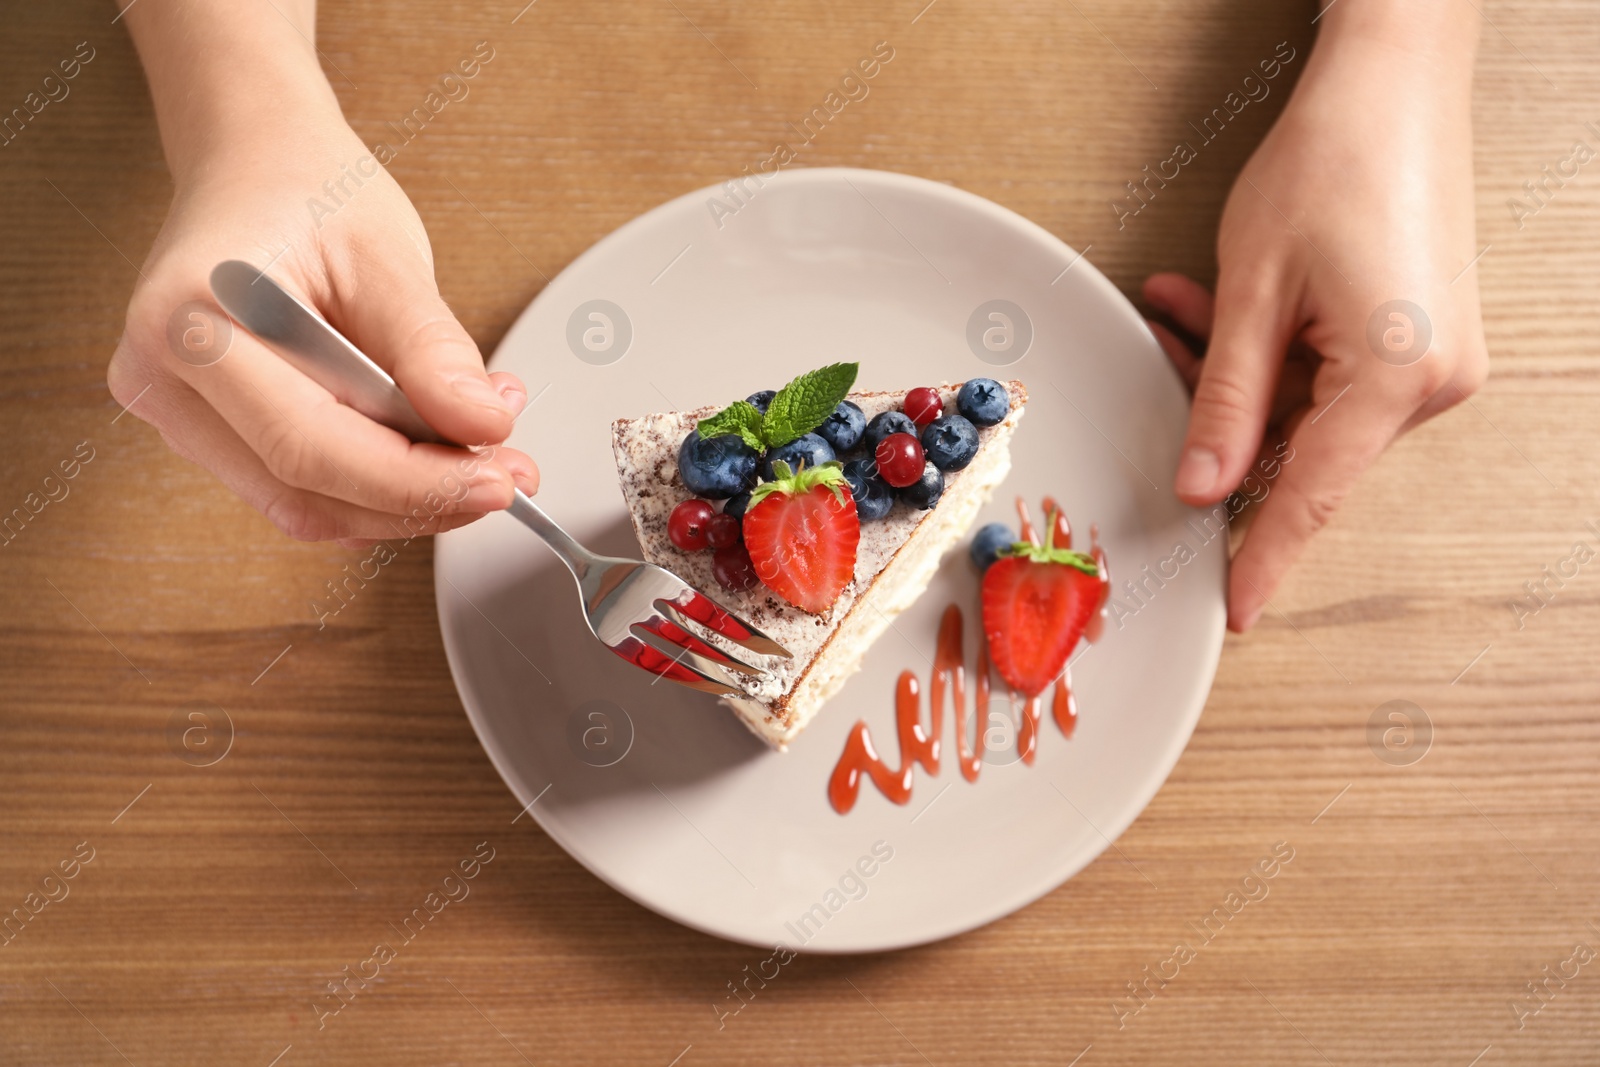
[[1233, 397], [398, 318]]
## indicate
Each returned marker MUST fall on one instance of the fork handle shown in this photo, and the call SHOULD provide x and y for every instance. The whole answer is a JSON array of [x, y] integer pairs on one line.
[[577, 558], [311, 344]]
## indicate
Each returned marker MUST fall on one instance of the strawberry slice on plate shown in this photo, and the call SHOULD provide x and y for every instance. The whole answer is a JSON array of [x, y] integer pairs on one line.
[[1037, 599], [802, 531]]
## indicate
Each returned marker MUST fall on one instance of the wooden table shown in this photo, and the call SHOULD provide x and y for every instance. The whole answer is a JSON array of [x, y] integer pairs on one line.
[[1421, 899]]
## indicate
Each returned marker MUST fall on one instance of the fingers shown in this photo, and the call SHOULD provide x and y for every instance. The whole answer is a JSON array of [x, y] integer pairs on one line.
[[195, 431], [511, 390], [392, 310], [1188, 302], [1190, 305], [1185, 362], [299, 438], [1253, 323], [308, 440], [1329, 448]]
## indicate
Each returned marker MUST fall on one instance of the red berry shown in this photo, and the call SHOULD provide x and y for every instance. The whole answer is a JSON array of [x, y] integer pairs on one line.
[[1033, 614], [687, 525], [803, 544], [733, 568], [899, 459], [722, 531], [923, 405]]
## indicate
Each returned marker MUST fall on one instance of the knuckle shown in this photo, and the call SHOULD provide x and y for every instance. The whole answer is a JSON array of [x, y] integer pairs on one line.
[[287, 456], [1254, 286], [1319, 511], [132, 378], [1433, 375], [1417, 385], [1315, 508], [434, 493], [122, 377], [296, 516], [1455, 367], [437, 334], [1471, 378], [136, 358], [1472, 370], [411, 499], [1222, 398], [179, 447]]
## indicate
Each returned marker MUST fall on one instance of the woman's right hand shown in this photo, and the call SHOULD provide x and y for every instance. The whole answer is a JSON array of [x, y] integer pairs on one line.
[[294, 190]]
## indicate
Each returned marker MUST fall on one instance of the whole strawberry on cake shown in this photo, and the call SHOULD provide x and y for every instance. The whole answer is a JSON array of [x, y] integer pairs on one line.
[[822, 513]]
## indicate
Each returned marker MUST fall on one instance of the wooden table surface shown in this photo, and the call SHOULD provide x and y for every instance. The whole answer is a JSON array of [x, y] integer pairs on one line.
[[1421, 901]]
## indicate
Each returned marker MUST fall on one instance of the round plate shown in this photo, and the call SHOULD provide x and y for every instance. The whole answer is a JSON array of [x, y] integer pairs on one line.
[[660, 791]]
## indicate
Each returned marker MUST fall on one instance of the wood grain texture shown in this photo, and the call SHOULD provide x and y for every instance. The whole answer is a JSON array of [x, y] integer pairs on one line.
[[219, 904]]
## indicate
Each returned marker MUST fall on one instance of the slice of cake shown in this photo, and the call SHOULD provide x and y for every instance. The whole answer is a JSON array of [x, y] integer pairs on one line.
[[816, 513]]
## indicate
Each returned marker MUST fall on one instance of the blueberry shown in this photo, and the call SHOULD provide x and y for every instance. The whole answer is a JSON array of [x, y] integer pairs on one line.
[[761, 400], [988, 542], [737, 505], [924, 493], [950, 442], [984, 401], [717, 467], [843, 429], [886, 423], [873, 496], [808, 448]]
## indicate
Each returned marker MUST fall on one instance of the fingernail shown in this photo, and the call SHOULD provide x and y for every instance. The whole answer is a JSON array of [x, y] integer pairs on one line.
[[1197, 473], [514, 395], [523, 473], [478, 391], [1249, 618], [488, 492]]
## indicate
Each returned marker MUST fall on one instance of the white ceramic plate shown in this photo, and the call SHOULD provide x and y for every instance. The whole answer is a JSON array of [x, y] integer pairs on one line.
[[662, 793]]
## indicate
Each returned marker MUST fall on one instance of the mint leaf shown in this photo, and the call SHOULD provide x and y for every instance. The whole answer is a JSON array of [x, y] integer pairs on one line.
[[805, 403], [741, 418]]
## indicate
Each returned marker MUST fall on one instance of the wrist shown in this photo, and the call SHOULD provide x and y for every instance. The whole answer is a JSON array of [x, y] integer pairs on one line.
[[232, 84], [1421, 41], [275, 121]]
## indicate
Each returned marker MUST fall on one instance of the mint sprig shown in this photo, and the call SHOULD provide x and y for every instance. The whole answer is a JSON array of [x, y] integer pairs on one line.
[[800, 407]]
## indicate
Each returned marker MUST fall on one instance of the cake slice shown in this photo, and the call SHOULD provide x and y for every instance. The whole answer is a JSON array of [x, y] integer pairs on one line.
[[900, 545]]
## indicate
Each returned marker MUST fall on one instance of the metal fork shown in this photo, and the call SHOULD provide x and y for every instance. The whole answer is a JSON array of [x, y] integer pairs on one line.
[[640, 611]]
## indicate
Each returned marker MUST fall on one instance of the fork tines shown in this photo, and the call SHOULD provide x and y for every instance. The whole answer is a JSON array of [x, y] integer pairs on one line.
[[680, 655]]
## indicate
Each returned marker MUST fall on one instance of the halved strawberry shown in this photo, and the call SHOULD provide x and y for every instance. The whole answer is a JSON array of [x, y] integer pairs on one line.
[[802, 531], [1036, 602]]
